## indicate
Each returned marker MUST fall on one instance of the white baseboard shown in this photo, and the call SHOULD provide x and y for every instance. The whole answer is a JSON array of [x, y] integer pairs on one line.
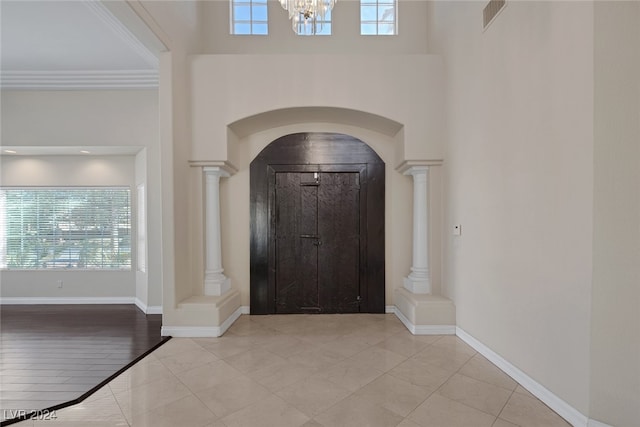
[[390, 309], [424, 329], [154, 309], [245, 309], [562, 408], [203, 331], [66, 300], [147, 309], [190, 331]]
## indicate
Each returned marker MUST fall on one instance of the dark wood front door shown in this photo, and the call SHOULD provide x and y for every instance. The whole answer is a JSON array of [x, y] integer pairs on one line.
[[317, 242], [317, 226]]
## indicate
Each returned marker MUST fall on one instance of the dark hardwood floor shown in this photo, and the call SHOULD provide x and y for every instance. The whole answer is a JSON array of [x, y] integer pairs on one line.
[[54, 354]]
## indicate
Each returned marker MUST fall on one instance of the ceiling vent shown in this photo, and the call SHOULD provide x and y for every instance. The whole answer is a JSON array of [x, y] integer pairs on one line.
[[491, 10]]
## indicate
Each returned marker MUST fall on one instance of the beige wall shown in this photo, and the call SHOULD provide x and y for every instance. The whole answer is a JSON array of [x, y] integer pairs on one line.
[[225, 89], [615, 331], [518, 176]]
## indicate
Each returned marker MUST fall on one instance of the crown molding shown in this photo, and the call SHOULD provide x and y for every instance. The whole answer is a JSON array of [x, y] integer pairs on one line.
[[58, 80], [108, 18]]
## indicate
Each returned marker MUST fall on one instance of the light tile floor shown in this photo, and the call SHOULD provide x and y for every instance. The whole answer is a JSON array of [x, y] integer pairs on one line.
[[311, 370]]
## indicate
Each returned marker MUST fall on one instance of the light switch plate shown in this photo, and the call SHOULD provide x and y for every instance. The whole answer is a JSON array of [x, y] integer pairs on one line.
[[457, 230]]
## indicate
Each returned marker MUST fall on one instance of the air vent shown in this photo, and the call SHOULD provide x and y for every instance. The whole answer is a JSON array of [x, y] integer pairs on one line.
[[491, 10]]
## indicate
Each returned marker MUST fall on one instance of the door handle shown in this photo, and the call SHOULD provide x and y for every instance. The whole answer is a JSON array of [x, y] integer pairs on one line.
[[309, 236], [317, 243]]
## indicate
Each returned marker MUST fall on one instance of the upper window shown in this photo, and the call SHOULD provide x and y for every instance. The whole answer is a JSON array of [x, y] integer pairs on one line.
[[378, 17], [249, 17], [68, 227]]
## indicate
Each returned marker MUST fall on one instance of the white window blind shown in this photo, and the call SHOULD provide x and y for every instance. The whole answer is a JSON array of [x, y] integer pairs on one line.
[[68, 227]]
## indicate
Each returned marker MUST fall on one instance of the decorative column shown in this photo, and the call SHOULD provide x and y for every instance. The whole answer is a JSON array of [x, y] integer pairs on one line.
[[215, 282], [418, 280]]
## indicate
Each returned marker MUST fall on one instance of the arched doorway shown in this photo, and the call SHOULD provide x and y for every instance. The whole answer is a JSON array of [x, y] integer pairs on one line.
[[317, 226]]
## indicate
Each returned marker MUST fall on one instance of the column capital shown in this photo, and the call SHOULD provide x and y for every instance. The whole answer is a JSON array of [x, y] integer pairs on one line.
[[416, 171], [215, 171], [214, 165], [408, 166]]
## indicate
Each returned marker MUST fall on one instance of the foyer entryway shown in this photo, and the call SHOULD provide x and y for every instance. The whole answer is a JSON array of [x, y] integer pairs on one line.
[[317, 226]]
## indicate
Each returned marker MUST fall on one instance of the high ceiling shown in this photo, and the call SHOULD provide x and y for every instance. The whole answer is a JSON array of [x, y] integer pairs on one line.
[[71, 45]]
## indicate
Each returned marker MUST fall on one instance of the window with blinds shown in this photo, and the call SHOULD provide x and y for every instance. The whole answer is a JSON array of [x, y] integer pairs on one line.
[[68, 228]]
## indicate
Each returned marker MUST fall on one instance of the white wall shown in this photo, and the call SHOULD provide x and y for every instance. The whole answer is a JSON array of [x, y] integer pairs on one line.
[[615, 331], [105, 121], [68, 171], [519, 178]]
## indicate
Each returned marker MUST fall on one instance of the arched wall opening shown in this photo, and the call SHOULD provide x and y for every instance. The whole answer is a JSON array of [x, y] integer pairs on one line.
[[246, 139]]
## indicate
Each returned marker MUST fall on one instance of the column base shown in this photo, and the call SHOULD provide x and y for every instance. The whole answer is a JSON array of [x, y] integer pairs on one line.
[[417, 285], [425, 314], [203, 316], [216, 284]]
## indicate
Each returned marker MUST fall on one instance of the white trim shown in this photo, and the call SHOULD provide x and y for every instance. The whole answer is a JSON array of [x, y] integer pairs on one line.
[[141, 305], [203, 331], [190, 331], [90, 79], [105, 15], [245, 309], [424, 329], [154, 309], [562, 408], [147, 309], [390, 309], [66, 300], [594, 423]]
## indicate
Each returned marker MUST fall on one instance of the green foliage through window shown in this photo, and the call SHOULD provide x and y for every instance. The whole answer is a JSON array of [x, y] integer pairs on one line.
[[70, 227]]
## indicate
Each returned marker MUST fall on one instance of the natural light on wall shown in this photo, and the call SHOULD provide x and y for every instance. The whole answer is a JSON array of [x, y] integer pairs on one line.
[[65, 227], [378, 17]]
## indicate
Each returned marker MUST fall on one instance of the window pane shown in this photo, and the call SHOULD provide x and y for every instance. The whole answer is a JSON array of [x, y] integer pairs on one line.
[[325, 30], [260, 29], [65, 228], [368, 29], [249, 17], [386, 29], [241, 28], [386, 13], [260, 13], [368, 13], [242, 13]]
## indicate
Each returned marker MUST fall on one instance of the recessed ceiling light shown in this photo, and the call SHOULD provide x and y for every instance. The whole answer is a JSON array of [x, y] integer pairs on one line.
[[85, 152], [10, 151]]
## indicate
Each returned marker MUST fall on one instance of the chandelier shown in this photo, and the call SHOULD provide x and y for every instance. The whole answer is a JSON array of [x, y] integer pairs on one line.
[[307, 16]]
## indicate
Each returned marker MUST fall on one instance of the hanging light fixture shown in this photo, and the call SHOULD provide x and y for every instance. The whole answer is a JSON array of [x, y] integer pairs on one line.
[[307, 16]]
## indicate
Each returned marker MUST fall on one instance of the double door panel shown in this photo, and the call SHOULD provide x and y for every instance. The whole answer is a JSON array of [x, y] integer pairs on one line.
[[317, 242]]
